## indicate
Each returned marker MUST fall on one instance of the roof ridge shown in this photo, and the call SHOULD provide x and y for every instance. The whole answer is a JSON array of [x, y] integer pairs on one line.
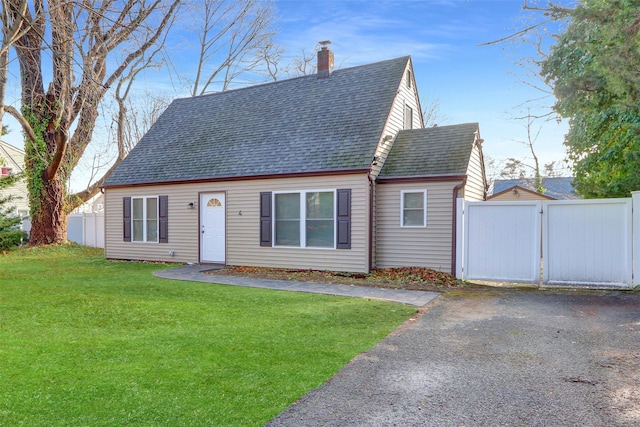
[[307, 76], [475, 124]]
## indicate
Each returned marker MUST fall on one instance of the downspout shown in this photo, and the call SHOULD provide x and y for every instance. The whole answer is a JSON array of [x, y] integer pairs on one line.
[[371, 207], [454, 228]]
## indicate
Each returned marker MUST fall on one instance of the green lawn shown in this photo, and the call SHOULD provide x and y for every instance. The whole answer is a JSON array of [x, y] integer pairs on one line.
[[89, 342]]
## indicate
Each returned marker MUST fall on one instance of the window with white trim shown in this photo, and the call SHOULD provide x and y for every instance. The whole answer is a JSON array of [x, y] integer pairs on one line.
[[413, 208], [144, 219], [305, 219]]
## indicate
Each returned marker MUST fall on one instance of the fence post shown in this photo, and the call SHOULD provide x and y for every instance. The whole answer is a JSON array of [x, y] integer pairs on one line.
[[460, 238], [635, 244]]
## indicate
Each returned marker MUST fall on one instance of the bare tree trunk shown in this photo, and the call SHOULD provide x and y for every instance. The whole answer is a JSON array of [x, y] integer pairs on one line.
[[49, 222]]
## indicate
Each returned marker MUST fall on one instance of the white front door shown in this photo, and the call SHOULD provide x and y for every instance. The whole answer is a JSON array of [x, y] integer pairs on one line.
[[212, 227]]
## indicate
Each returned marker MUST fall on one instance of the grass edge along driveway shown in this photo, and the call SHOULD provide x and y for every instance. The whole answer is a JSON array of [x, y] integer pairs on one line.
[[84, 341]]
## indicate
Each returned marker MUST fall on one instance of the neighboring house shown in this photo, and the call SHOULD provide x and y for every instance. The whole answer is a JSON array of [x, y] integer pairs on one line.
[[332, 171], [93, 205], [12, 162], [525, 189]]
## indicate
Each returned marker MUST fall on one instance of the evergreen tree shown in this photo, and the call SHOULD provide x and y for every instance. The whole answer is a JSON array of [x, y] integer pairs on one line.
[[10, 233], [594, 68]]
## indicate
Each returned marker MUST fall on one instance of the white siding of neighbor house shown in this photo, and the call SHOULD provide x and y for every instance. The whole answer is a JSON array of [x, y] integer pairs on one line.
[[474, 190], [420, 247], [407, 96], [14, 158], [243, 230]]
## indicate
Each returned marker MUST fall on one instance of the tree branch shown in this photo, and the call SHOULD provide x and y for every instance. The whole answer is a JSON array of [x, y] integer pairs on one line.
[[80, 197], [26, 127]]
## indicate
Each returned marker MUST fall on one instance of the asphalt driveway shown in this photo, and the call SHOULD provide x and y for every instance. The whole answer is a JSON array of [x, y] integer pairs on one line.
[[493, 358]]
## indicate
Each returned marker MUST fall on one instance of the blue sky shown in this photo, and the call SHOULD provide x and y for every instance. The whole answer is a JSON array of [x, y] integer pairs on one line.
[[472, 83]]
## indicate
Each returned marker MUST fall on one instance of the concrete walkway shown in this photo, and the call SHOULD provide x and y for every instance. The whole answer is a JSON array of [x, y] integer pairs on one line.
[[196, 273]]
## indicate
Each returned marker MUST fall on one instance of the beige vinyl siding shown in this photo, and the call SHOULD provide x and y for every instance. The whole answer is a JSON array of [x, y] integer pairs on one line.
[[407, 96], [522, 195], [474, 190], [243, 224], [416, 247]]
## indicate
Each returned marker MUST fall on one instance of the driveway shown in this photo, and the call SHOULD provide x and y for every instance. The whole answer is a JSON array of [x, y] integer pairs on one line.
[[493, 358]]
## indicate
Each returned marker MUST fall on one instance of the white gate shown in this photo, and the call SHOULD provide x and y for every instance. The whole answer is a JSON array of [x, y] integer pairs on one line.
[[502, 241], [574, 242], [588, 242]]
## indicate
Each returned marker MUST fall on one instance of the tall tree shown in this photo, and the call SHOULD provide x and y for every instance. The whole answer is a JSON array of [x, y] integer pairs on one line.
[[90, 44], [594, 68]]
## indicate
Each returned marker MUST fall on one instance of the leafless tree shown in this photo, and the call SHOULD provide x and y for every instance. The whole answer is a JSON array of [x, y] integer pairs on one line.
[[517, 168], [131, 126], [302, 64], [91, 44], [232, 38], [431, 112], [13, 27], [271, 55]]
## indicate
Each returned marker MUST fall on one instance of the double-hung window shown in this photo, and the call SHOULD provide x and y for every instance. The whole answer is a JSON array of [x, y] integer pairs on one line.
[[144, 218], [305, 219], [413, 208]]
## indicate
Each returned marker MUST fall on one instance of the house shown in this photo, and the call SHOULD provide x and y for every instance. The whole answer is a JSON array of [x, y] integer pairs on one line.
[[12, 162], [93, 205], [332, 171], [556, 188]]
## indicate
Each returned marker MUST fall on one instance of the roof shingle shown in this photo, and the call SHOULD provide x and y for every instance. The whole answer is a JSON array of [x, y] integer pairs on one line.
[[303, 124], [434, 151]]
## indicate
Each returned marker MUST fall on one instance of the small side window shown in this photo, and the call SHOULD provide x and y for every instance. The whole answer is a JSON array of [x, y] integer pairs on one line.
[[413, 208], [409, 83], [408, 117]]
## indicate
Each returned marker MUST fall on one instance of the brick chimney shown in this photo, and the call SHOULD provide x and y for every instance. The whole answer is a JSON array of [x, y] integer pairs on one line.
[[325, 61]]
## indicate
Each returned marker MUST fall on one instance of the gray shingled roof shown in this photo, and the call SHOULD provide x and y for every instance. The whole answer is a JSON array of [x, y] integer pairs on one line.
[[434, 151], [559, 188], [298, 125]]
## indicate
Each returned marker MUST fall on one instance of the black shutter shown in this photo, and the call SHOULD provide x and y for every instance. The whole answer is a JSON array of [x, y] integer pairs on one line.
[[343, 232], [265, 219], [163, 219], [126, 218]]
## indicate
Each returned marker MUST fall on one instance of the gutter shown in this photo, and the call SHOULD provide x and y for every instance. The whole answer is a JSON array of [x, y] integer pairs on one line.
[[371, 208], [454, 228], [330, 172]]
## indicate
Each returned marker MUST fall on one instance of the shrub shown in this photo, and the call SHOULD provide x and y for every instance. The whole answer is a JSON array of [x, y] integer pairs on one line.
[[10, 233]]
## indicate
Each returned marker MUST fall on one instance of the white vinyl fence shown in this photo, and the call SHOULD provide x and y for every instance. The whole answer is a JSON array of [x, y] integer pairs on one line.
[[589, 242], [86, 229], [501, 241], [562, 242]]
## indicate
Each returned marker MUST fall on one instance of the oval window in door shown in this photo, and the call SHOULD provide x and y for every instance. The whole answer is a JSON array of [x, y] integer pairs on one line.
[[214, 202]]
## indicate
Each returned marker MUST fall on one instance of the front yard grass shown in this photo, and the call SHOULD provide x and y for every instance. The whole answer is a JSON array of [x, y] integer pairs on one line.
[[84, 341]]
